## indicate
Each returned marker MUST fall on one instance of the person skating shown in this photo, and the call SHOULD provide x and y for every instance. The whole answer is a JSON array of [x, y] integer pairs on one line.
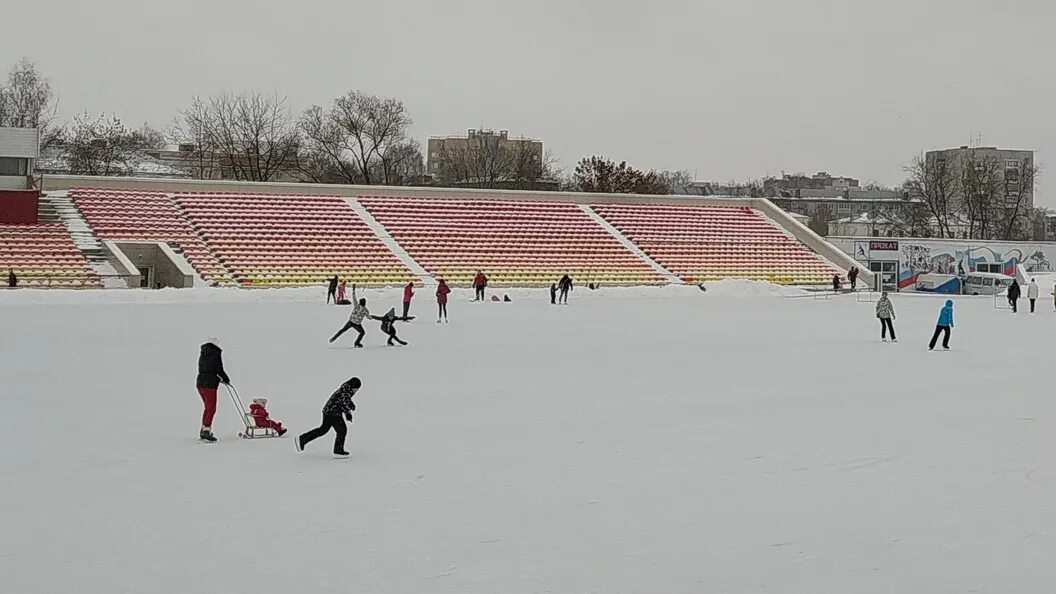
[[331, 290], [388, 326], [408, 294], [852, 276], [565, 285], [259, 411], [12, 279], [1032, 293], [553, 293], [336, 411], [480, 282], [210, 375], [943, 326], [355, 319], [1013, 295], [341, 294], [885, 312], [835, 283], [442, 290]]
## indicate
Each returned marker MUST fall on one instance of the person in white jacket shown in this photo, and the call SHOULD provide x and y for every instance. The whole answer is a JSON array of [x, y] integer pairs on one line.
[[885, 312], [1032, 293]]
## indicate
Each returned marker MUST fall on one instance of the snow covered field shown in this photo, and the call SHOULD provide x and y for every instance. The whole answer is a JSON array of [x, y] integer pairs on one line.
[[655, 441]]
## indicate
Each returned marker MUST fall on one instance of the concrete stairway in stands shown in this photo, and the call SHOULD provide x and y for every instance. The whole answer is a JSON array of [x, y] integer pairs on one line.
[[56, 207]]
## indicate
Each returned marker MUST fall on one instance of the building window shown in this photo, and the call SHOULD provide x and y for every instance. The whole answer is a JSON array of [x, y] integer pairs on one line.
[[988, 268], [1011, 164], [13, 166]]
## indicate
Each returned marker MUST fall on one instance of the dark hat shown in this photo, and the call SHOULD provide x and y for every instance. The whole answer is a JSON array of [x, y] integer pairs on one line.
[[354, 383]]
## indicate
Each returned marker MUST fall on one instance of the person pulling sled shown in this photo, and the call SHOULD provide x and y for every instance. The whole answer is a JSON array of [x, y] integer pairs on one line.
[[210, 375], [336, 411]]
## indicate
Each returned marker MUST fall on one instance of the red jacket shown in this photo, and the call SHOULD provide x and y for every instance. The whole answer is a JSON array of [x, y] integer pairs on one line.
[[408, 292], [441, 293], [258, 412], [480, 280]]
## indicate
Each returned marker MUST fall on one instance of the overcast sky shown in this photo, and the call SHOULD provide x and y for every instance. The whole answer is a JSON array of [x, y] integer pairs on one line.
[[727, 90]]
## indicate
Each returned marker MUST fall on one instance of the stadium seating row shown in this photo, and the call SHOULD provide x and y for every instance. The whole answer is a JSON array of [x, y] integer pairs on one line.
[[512, 242], [44, 255]]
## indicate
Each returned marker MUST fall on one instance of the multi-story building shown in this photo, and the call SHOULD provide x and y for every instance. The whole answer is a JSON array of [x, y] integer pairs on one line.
[[1013, 169], [484, 158]]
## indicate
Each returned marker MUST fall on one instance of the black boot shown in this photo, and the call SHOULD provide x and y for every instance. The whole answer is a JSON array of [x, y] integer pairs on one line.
[[206, 435]]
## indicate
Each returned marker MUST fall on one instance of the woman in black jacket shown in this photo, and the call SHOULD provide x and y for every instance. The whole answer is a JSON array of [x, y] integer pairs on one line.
[[210, 375]]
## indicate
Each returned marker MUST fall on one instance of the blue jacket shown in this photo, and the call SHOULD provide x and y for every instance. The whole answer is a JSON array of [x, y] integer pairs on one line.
[[946, 315]]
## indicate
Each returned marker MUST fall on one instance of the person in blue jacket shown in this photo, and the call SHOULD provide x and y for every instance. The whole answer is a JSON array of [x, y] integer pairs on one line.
[[944, 325]]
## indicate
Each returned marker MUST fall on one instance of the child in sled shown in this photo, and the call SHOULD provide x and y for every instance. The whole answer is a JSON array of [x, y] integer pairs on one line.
[[259, 413]]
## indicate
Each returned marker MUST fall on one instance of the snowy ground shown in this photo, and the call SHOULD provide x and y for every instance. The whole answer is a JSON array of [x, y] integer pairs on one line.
[[654, 441]]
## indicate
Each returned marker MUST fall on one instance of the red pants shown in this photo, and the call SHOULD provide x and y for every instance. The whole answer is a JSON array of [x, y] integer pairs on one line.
[[266, 423], [209, 399]]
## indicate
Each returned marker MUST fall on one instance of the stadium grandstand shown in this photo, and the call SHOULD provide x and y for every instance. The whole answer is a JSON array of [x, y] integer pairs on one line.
[[281, 235]]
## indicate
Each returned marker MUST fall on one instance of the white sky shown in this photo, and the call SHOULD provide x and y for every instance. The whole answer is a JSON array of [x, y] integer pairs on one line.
[[732, 89]]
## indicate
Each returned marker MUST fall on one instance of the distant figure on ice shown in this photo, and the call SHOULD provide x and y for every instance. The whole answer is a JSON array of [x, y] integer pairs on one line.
[[388, 326], [565, 284], [1013, 295], [852, 276], [12, 280], [944, 325], [835, 283], [442, 291], [408, 294], [336, 411], [341, 300], [553, 293], [210, 375], [355, 319], [1032, 293], [480, 282], [885, 312], [258, 410], [331, 290]]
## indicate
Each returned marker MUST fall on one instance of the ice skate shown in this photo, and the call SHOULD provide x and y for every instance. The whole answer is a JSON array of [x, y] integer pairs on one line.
[[206, 435], [883, 340], [283, 431], [299, 444], [341, 454]]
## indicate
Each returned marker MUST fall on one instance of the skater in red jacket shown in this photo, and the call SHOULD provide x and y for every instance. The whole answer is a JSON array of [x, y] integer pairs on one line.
[[480, 282], [260, 415], [441, 300], [408, 294]]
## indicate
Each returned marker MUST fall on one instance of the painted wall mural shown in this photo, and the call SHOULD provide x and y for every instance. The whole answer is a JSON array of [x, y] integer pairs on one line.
[[923, 256]]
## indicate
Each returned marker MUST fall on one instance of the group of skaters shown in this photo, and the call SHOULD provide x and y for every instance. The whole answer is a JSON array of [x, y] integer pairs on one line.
[[339, 407], [1015, 291], [337, 410], [885, 312]]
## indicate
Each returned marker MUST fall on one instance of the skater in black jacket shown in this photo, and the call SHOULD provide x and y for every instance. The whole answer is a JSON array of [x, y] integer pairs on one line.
[[388, 326], [1013, 295], [331, 290], [565, 285], [553, 294], [336, 411]]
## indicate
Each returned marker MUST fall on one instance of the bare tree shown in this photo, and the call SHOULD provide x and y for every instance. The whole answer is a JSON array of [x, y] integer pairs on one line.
[[1019, 181], [100, 145], [598, 174], [192, 130], [361, 138], [26, 101], [934, 184], [980, 181], [676, 181], [250, 137]]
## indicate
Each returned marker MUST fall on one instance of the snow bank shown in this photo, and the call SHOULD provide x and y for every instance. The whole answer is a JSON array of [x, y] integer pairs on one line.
[[739, 287], [728, 288]]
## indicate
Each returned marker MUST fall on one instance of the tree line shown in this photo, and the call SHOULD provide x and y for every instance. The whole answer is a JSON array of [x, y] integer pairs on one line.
[[356, 138]]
